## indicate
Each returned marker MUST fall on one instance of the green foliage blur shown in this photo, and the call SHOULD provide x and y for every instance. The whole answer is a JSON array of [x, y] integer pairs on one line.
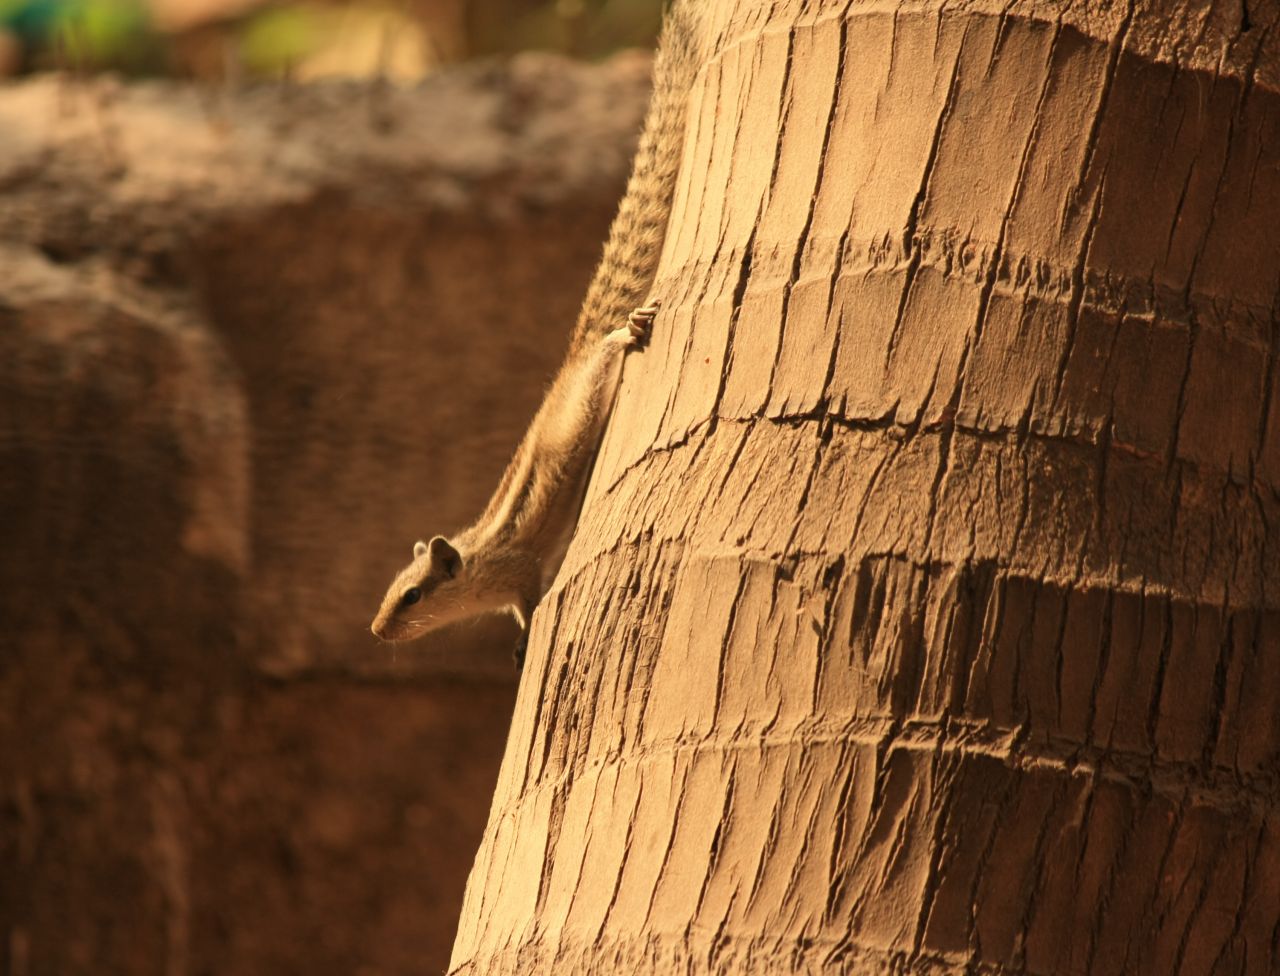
[[42, 33], [274, 38]]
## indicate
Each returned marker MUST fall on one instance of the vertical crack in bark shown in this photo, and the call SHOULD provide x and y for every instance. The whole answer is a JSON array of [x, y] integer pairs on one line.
[[596, 671], [946, 437], [1002, 28], [1198, 253], [717, 841], [725, 641], [1114, 49], [552, 727], [812, 830], [893, 48], [1162, 664], [1018, 710], [1059, 644], [909, 242], [719, 940], [1229, 144], [627, 844], [1218, 689], [770, 844], [744, 433], [825, 402], [1250, 77], [1035, 871], [1193, 336], [541, 702], [937, 26], [803, 239], [1101, 465], [667, 850], [822, 440], [837, 865], [625, 672], [1264, 554], [739, 289], [640, 672], [997, 255], [1250, 856], [702, 279], [1167, 101], [833, 582], [1107, 889], [1081, 824], [784, 119], [1076, 301], [1209, 864], [942, 775], [786, 99], [576, 888], [1182, 199], [1024, 488], [1003, 805], [555, 823]]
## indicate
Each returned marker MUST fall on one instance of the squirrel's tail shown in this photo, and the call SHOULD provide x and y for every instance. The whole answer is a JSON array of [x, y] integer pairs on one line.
[[626, 271]]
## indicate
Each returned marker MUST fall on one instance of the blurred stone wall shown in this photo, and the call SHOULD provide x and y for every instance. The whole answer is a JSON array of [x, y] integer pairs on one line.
[[252, 345]]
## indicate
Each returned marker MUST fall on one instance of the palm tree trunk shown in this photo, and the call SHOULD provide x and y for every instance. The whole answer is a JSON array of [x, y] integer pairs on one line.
[[922, 613]]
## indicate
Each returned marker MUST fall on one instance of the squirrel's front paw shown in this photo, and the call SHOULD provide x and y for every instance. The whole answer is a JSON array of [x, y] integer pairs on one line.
[[640, 322]]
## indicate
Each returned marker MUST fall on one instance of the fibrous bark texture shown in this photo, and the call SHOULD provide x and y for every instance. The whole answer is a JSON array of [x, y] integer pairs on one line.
[[922, 616], [252, 345]]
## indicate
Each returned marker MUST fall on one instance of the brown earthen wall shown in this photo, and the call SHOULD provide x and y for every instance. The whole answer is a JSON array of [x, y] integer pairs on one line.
[[252, 345]]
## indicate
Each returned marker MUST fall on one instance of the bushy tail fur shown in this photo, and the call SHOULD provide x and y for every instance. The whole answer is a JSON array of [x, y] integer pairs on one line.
[[627, 269]]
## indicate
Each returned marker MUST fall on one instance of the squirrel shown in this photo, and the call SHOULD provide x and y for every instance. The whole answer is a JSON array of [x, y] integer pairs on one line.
[[507, 560]]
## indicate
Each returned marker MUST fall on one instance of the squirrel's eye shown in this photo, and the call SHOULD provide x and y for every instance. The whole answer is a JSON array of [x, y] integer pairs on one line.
[[411, 596]]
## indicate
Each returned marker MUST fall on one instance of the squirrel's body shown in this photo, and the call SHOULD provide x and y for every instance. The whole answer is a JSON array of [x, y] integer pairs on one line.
[[508, 558]]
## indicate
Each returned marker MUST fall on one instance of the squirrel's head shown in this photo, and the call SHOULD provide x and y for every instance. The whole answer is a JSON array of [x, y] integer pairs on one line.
[[424, 595]]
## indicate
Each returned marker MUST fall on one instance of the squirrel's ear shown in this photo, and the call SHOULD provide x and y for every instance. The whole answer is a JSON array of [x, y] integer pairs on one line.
[[445, 556], [419, 549]]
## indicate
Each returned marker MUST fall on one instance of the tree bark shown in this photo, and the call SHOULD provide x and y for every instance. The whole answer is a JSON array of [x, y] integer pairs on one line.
[[922, 613]]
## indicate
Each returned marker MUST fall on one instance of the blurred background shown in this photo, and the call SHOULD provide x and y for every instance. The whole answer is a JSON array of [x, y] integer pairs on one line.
[[215, 39], [281, 285]]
